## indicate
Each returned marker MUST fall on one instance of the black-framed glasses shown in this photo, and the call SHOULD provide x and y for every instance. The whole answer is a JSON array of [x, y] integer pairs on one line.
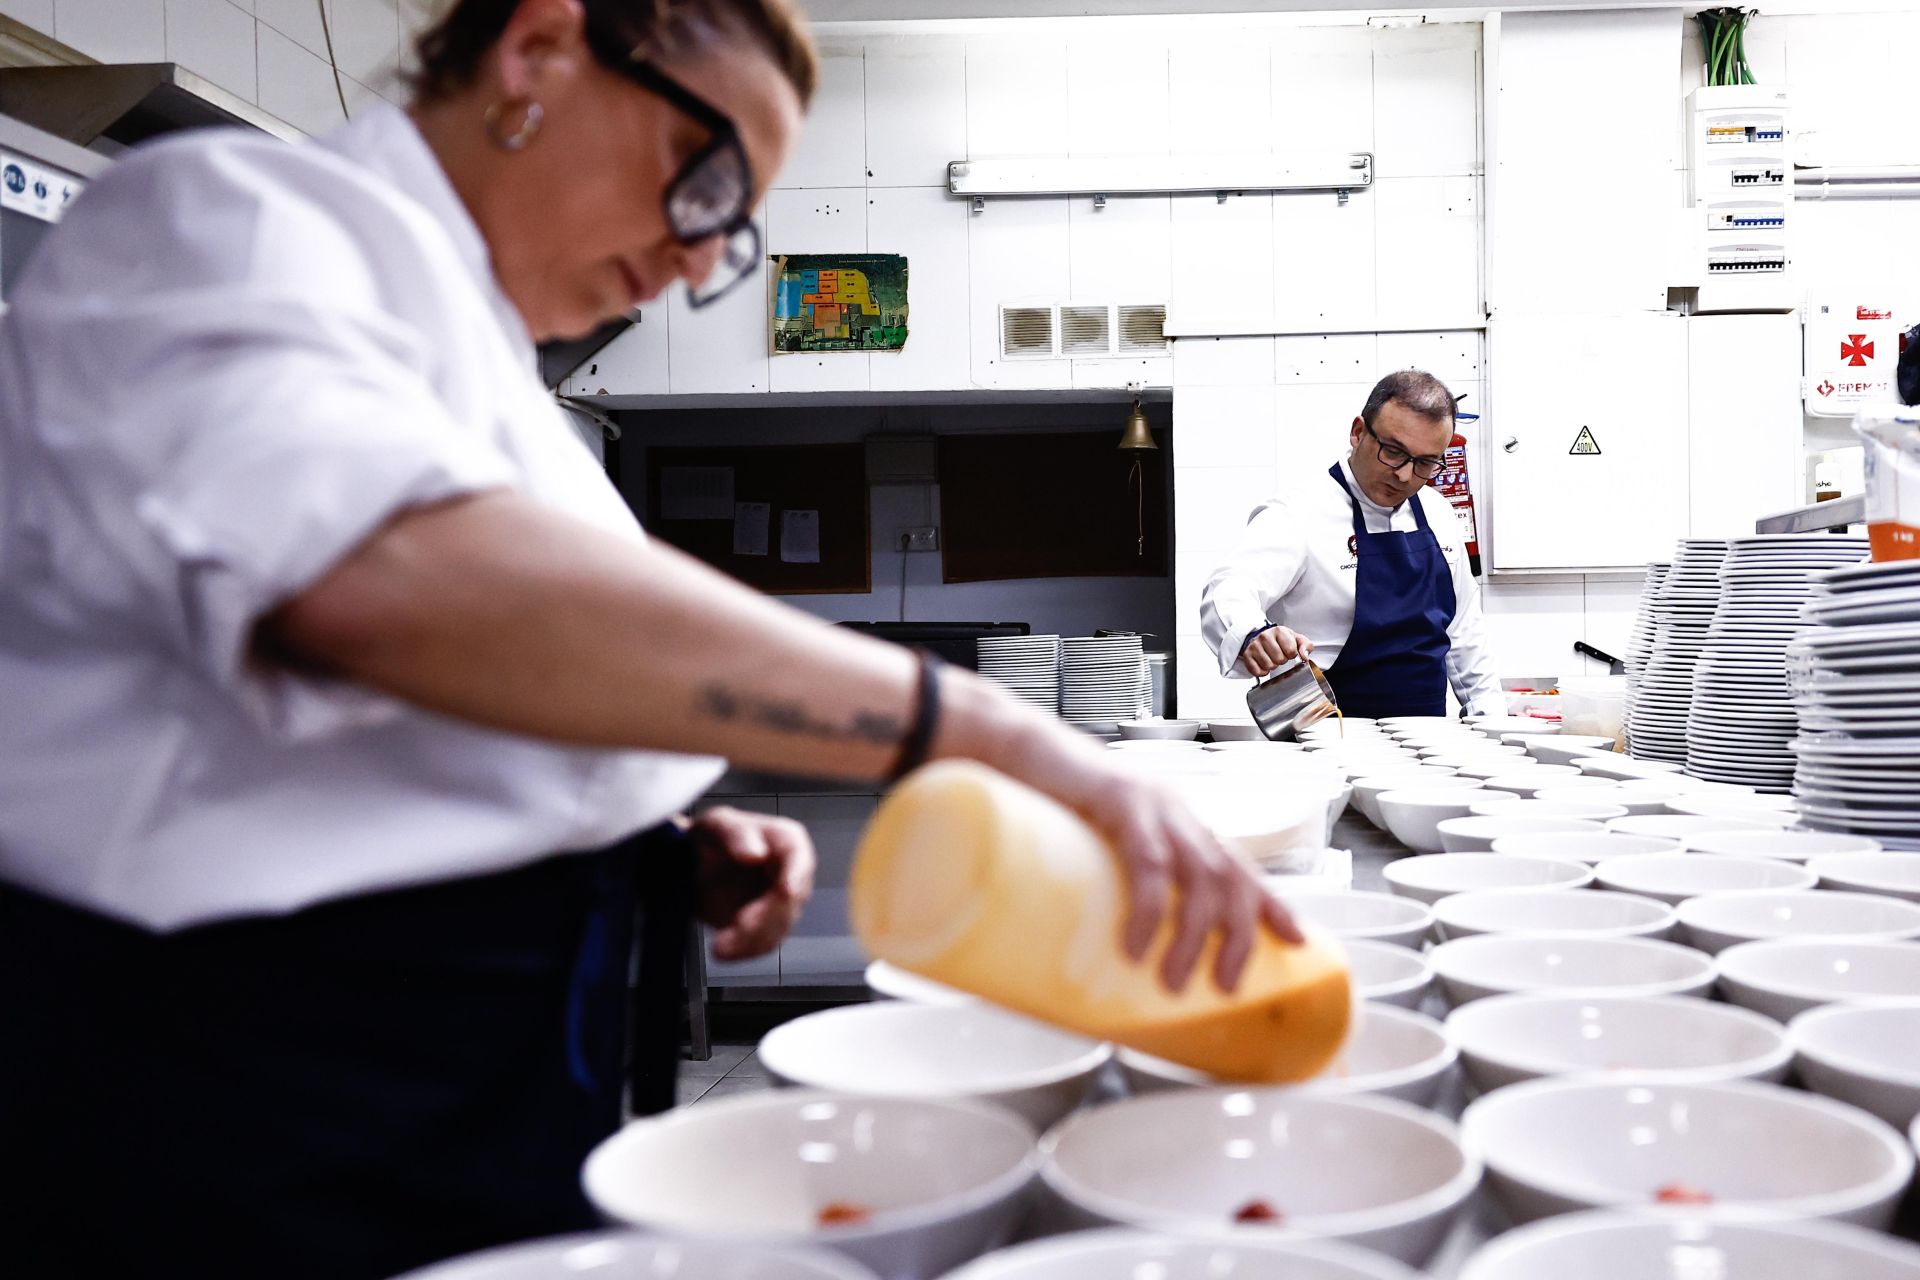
[[1394, 457], [712, 194]]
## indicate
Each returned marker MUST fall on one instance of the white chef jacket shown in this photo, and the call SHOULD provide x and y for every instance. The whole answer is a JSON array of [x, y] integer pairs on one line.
[[234, 360], [1294, 566]]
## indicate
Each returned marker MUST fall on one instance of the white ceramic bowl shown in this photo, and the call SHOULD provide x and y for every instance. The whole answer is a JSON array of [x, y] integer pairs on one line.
[[1476, 753], [622, 1255], [1396, 1053], [1584, 846], [1498, 963], [1492, 806], [1893, 875], [1510, 1039], [1478, 833], [1388, 974], [1525, 782], [1157, 744], [1625, 768], [1257, 748], [944, 1181], [1185, 730], [1413, 817], [1431, 877], [1684, 827], [1717, 921], [1235, 730], [1698, 1245], [1371, 1171], [1866, 1055], [1119, 1254], [1592, 790], [1521, 737], [1567, 748], [971, 1051], [1557, 1146], [1597, 913], [1488, 767], [896, 983], [1368, 790], [1789, 846], [1760, 807], [1676, 877], [1787, 977], [1494, 726], [1358, 913]]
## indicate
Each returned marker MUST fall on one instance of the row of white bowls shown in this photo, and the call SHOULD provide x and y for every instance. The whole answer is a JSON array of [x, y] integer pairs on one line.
[[1596, 1245]]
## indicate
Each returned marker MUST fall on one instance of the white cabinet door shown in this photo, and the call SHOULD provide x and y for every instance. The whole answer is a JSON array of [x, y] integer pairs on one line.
[[929, 227], [1745, 422], [1567, 385], [633, 364], [817, 220]]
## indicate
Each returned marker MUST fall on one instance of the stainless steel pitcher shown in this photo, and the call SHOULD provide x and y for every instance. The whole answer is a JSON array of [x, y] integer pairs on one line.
[[1290, 699]]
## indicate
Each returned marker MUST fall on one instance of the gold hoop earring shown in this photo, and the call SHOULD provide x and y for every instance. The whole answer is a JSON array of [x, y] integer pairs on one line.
[[531, 114]]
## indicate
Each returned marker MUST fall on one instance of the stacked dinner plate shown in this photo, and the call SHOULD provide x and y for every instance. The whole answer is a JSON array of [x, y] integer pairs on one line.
[[1856, 684], [1682, 611], [1103, 680], [1640, 642], [1743, 719], [1028, 666]]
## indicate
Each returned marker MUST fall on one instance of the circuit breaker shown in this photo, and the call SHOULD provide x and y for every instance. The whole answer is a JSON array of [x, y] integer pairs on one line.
[[1739, 154]]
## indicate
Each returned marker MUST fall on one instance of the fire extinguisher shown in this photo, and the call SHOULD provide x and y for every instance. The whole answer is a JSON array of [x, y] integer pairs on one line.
[[1453, 482]]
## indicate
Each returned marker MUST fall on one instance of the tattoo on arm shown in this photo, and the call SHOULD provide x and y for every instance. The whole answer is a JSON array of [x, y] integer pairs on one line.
[[785, 716]]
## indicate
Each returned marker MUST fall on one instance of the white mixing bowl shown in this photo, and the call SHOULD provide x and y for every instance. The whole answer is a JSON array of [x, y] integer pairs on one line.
[[1867, 1055], [1118, 1253], [1388, 974], [1584, 846], [1431, 877], [1594, 790], [1699, 1245], [1520, 807], [1367, 790], [943, 1181], [1682, 826], [971, 1051], [896, 983], [1597, 913], [1413, 817], [1370, 1171], [1358, 913], [1509, 1039], [1478, 833], [1789, 846], [1498, 963], [1893, 875], [1675, 877], [621, 1255], [1558, 1146], [1786, 977], [1717, 921]]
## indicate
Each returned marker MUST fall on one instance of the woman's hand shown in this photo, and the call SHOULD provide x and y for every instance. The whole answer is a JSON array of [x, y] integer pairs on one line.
[[756, 872]]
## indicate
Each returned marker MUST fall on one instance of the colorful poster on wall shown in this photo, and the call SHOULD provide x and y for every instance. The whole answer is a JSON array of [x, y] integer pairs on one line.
[[840, 302]]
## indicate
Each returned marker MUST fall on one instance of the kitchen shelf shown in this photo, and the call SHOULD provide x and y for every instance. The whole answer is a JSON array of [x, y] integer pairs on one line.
[[1851, 509]]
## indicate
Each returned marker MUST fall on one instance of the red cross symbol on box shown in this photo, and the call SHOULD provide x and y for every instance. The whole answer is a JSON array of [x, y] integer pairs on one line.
[[1856, 350]]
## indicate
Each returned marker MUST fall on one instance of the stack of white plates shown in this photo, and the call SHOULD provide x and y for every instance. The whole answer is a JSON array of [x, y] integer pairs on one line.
[[1743, 717], [1028, 666], [1103, 680], [1640, 641], [1682, 610], [1856, 684]]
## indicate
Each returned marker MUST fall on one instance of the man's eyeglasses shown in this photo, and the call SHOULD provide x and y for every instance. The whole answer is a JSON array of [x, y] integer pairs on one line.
[[1394, 457], [712, 194]]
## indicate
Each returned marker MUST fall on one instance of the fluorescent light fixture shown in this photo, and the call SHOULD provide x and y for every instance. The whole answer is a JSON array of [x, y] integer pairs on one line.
[[1135, 175]]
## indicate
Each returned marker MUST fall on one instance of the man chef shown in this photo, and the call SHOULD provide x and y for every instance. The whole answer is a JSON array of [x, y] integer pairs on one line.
[[1366, 570]]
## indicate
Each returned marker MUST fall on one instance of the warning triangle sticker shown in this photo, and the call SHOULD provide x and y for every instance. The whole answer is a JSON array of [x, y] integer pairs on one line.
[[1585, 443]]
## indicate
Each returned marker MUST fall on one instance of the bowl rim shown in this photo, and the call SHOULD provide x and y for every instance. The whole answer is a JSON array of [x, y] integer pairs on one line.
[[883, 1222], [1708, 975], [1448, 1195], [1487, 1261], [827, 1264], [884, 969], [1665, 915], [1422, 975], [1045, 1251], [1692, 908], [1803, 834], [1613, 837], [1825, 1204], [1499, 808], [1084, 1063], [1401, 866], [1804, 1023], [1740, 950], [1672, 856], [1850, 881], [1779, 1055], [1436, 1062]]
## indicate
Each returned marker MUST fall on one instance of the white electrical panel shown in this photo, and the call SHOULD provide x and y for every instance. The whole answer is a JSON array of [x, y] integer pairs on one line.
[[1740, 158]]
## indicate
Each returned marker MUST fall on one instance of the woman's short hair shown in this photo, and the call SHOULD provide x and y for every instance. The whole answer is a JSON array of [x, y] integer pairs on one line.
[[451, 51]]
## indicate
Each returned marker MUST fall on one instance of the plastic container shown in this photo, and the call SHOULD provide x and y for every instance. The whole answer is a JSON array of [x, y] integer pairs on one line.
[[1595, 707], [981, 883]]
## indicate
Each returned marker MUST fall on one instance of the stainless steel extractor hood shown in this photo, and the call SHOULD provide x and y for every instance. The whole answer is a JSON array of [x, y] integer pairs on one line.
[[125, 103]]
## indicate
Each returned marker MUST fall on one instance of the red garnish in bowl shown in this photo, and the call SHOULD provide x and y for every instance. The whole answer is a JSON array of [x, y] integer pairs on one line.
[[1258, 1211]]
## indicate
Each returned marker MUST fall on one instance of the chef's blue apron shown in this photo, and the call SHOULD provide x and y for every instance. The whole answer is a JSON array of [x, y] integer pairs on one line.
[[1395, 660], [347, 1092]]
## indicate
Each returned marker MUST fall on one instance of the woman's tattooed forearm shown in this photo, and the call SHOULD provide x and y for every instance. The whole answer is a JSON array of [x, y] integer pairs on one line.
[[786, 716]]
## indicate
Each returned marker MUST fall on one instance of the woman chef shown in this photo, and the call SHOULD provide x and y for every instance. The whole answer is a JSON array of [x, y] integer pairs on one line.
[[1365, 567], [322, 640]]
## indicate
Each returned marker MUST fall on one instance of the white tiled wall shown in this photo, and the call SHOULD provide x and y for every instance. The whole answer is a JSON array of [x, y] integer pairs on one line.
[[272, 53]]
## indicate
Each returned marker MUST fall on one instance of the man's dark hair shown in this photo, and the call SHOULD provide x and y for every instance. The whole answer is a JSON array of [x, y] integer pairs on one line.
[[1413, 390]]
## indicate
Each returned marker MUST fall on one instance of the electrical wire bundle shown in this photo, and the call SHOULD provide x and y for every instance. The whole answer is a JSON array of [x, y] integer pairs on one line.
[[1724, 34]]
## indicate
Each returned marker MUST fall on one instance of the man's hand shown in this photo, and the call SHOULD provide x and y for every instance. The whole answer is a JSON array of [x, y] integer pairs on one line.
[[1272, 649], [756, 872]]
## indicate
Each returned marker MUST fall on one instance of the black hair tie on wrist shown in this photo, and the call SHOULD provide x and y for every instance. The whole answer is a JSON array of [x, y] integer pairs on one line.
[[926, 720]]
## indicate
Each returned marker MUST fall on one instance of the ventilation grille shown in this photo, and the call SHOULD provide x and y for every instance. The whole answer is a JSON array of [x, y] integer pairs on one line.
[[1085, 331], [1026, 331], [1143, 329]]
